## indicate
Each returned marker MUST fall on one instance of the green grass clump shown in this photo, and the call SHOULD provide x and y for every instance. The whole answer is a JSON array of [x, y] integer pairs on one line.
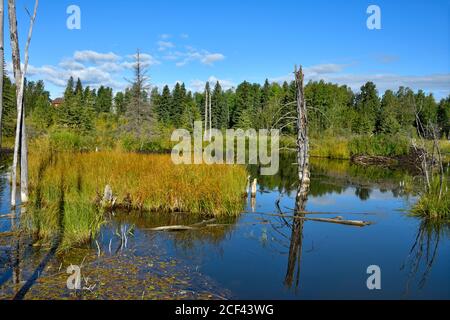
[[433, 206], [379, 145], [330, 147]]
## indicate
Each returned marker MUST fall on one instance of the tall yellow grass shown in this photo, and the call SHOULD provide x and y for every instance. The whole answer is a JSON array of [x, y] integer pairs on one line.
[[64, 187]]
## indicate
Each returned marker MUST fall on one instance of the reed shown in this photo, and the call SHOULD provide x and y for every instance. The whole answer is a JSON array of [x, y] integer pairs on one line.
[[65, 187], [434, 204]]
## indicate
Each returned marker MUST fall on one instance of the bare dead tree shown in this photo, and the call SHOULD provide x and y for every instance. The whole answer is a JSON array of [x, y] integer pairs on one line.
[[21, 137], [2, 62], [206, 112], [302, 133], [139, 109], [429, 159]]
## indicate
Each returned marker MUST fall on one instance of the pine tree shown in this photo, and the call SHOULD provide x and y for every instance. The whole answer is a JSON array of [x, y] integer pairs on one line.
[[69, 92], [74, 113], [220, 112], [103, 103], [177, 103], [78, 87], [163, 108], [244, 105]]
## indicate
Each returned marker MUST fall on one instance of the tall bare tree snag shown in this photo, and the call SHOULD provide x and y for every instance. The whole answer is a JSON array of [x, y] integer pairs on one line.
[[302, 134], [21, 137], [206, 113], [2, 62]]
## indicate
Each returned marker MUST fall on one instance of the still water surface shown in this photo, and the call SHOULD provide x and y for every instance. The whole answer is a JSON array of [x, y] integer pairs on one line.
[[258, 255]]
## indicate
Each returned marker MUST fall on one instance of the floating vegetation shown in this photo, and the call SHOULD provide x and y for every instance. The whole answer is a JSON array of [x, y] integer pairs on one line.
[[120, 277]]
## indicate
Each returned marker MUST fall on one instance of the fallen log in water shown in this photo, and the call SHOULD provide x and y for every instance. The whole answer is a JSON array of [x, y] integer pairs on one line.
[[173, 228], [7, 234], [355, 223], [337, 220]]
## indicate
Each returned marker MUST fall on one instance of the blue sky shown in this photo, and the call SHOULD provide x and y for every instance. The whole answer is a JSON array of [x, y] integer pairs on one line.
[[231, 41]]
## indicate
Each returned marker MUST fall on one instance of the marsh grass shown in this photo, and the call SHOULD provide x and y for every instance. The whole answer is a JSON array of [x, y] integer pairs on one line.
[[65, 187], [330, 147], [379, 145], [431, 205]]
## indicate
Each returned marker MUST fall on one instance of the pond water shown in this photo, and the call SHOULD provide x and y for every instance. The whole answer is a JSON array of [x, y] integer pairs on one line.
[[258, 255]]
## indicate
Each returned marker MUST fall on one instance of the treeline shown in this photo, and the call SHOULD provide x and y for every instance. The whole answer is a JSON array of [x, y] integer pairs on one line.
[[333, 109]]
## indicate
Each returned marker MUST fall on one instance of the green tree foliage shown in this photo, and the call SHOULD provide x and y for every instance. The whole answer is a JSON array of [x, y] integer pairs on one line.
[[163, 105], [119, 103], [37, 105], [9, 107], [388, 119], [406, 108], [177, 104], [75, 113], [334, 110], [103, 102], [443, 117], [368, 108], [220, 111]]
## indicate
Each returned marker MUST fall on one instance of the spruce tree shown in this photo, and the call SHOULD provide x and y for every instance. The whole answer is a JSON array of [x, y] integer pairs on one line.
[[163, 108]]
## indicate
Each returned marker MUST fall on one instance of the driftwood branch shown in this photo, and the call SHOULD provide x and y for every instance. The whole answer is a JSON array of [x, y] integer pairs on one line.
[[337, 220], [7, 234]]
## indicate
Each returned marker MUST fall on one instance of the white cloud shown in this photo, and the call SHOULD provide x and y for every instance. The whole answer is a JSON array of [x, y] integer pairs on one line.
[[94, 57], [71, 65], [191, 54], [209, 59], [164, 45], [107, 69], [165, 36]]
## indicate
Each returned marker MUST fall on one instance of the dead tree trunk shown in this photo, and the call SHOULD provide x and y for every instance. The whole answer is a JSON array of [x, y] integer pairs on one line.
[[210, 116], [295, 248], [302, 134], [206, 113], [21, 138], [2, 62]]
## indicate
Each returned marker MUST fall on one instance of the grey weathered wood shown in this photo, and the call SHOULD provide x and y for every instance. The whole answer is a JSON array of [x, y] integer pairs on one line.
[[2, 62], [21, 136], [302, 134]]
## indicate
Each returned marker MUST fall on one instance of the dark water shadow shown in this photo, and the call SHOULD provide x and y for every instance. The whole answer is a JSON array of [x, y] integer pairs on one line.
[[424, 251], [20, 295]]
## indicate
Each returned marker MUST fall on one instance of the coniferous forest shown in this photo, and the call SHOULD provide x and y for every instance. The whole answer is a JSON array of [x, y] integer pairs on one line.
[[334, 111]]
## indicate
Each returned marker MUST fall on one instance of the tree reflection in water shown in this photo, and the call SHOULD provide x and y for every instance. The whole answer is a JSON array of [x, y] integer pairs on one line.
[[424, 251], [296, 243]]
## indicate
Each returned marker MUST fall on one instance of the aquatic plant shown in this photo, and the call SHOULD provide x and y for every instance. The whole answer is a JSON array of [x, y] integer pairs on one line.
[[434, 204]]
